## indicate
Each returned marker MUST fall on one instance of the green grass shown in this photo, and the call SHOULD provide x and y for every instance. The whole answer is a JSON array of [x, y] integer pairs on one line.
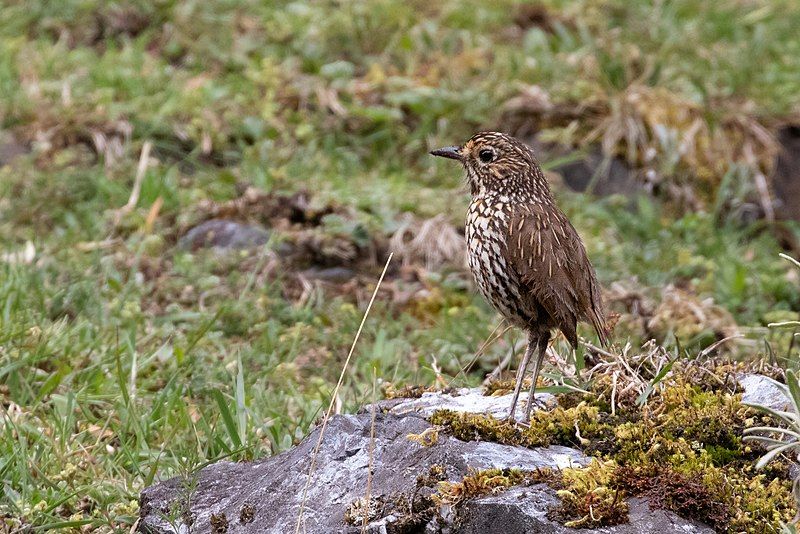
[[135, 361]]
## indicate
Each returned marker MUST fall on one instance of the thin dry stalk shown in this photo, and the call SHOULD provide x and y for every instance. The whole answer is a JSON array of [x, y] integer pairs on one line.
[[335, 396], [144, 157], [708, 350], [489, 341], [628, 371], [763, 194], [437, 370], [89, 246], [614, 393], [152, 215], [370, 464], [498, 371]]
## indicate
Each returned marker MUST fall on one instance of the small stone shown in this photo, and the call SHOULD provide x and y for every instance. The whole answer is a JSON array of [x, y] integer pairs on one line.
[[764, 391], [331, 274], [10, 148], [224, 234]]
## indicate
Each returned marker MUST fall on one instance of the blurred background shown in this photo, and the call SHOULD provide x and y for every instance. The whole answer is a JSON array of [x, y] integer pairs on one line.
[[197, 198]]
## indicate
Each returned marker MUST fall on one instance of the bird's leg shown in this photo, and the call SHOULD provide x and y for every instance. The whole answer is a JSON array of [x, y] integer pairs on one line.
[[537, 366], [532, 342]]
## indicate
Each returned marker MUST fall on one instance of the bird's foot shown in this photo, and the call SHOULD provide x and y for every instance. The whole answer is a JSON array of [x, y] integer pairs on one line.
[[511, 418], [530, 405], [521, 419]]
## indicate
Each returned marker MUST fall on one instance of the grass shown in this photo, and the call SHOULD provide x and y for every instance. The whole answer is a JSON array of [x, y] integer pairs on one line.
[[124, 360]]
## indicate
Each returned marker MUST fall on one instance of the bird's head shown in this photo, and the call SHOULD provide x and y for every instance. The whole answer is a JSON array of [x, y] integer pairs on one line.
[[496, 162]]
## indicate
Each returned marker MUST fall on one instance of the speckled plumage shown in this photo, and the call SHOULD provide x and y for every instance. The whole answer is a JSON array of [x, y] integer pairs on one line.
[[527, 259]]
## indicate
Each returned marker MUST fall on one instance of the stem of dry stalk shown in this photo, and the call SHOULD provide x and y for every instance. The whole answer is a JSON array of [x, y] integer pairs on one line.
[[370, 465], [335, 394], [489, 341]]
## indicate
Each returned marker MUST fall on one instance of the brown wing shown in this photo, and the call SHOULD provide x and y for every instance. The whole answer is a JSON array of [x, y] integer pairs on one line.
[[551, 263]]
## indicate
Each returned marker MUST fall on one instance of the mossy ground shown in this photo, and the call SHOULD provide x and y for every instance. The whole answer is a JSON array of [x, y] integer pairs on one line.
[[683, 450]]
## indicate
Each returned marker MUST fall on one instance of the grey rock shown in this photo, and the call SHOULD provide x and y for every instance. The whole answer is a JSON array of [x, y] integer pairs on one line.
[[224, 234], [762, 390], [590, 171], [470, 401], [524, 510], [10, 148], [330, 274], [265, 496], [273, 487], [786, 176], [600, 175]]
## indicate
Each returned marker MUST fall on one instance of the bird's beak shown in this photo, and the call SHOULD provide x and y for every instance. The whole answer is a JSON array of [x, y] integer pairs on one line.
[[452, 152]]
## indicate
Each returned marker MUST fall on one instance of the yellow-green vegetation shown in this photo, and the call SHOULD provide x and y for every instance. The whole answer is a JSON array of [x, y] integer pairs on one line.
[[589, 497], [410, 391], [428, 438], [477, 483], [683, 451], [546, 428], [498, 388]]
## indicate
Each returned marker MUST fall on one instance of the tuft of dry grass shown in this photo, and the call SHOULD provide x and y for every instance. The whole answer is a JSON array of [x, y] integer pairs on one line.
[[433, 242]]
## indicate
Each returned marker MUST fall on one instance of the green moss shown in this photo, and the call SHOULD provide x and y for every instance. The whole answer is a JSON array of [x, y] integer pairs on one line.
[[497, 387], [219, 523], [476, 427], [409, 391], [247, 514], [478, 483], [683, 451], [546, 428], [588, 499]]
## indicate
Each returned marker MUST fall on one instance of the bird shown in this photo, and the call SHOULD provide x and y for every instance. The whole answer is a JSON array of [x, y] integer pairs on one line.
[[527, 259]]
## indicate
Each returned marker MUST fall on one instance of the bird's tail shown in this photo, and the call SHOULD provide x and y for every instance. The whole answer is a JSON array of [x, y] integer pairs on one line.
[[598, 317], [601, 326]]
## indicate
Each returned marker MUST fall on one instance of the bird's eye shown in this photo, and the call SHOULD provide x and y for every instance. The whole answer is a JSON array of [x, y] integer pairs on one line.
[[486, 156]]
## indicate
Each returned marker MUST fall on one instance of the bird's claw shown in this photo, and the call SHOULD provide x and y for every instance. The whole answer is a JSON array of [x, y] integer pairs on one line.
[[531, 405]]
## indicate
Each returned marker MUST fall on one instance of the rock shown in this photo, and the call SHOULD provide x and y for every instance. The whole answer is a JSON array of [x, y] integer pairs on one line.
[[786, 176], [524, 510], [272, 489], [330, 274], [600, 175], [265, 496], [591, 172], [10, 148], [762, 390], [465, 400], [224, 234]]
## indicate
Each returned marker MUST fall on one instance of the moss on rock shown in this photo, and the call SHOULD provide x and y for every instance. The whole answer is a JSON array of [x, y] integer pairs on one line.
[[478, 483], [588, 497], [683, 451]]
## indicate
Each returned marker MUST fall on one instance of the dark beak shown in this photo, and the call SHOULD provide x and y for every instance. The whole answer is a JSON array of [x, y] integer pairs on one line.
[[452, 152]]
